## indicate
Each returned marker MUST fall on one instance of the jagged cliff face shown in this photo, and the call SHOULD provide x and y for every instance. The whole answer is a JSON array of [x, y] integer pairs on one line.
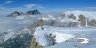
[[15, 13]]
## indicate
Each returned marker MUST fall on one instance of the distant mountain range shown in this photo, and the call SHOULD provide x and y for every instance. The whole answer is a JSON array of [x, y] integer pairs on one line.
[[31, 12], [84, 18], [65, 19]]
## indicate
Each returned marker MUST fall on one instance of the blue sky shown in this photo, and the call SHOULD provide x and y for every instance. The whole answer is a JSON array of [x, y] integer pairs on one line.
[[52, 3], [47, 5]]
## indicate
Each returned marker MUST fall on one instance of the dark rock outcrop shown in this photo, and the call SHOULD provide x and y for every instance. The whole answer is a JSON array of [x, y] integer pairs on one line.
[[72, 16], [15, 13], [33, 12]]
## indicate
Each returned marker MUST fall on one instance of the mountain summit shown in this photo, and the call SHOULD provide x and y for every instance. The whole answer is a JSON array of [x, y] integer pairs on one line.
[[31, 12]]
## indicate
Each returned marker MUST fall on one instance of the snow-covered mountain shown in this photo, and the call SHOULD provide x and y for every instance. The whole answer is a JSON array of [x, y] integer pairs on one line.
[[57, 26], [89, 14]]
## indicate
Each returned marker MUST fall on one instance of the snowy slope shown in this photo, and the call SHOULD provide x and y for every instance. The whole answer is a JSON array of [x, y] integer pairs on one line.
[[41, 35], [66, 34]]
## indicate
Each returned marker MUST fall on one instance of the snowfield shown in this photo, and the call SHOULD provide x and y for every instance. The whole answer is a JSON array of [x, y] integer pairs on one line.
[[60, 36], [66, 37]]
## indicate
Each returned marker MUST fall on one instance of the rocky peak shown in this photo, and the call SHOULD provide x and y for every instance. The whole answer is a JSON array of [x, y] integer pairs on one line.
[[33, 12], [16, 13]]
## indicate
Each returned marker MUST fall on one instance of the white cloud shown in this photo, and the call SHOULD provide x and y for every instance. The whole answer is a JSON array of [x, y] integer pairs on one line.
[[83, 8], [8, 2], [91, 8], [32, 6]]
